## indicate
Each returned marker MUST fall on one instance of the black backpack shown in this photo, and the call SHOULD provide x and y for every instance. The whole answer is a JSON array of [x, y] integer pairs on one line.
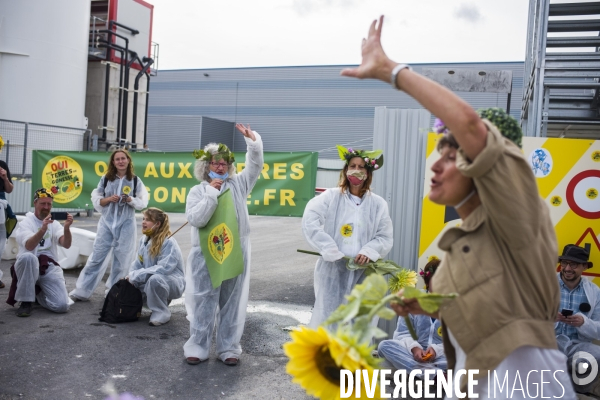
[[123, 303]]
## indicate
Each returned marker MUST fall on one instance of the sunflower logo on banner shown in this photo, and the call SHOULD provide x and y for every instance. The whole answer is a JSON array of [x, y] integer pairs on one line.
[[219, 241]]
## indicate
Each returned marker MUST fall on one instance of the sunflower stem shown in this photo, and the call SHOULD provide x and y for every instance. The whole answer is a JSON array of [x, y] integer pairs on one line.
[[314, 253], [383, 302]]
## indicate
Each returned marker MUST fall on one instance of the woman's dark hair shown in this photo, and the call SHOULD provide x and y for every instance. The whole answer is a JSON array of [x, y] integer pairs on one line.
[[111, 174], [429, 270], [344, 184]]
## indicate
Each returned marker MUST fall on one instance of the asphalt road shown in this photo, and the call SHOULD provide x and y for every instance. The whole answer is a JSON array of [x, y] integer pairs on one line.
[[72, 355]]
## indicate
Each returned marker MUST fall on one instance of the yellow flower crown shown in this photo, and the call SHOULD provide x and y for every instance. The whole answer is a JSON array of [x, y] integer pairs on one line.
[[42, 192]]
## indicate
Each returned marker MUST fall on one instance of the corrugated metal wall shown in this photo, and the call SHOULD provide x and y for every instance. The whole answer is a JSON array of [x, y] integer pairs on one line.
[[295, 108], [402, 134], [173, 132], [218, 131]]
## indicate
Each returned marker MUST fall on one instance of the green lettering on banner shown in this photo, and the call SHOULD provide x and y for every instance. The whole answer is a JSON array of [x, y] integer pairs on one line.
[[284, 187]]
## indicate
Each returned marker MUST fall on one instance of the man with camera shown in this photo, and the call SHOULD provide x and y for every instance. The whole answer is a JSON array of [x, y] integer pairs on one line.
[[35, 274], [578, 321]]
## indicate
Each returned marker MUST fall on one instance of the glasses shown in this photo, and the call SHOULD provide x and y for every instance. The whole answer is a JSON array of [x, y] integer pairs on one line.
[[572, 264], [217, 165]]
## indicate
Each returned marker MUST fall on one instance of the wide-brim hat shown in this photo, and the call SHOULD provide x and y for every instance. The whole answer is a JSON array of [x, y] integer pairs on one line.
[[575, 253]]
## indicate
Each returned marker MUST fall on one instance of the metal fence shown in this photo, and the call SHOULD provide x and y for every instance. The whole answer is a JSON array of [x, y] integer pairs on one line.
[[20, 138]]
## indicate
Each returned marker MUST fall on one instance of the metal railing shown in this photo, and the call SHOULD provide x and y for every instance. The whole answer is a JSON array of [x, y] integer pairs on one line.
[[20, 138]]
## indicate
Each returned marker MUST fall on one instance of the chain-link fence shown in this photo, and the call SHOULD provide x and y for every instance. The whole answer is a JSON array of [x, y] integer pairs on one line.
[[20, 138]]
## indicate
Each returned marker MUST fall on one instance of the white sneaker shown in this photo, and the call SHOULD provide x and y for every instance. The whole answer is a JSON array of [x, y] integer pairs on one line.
[[155, 323]]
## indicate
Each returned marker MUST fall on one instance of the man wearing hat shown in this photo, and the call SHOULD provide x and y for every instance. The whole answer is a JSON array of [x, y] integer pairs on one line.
[[36, 275], [578, 319]]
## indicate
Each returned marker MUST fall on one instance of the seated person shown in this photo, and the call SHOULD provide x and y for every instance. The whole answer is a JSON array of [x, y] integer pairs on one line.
[[158, 268], [427, 352], [575, 330], [36, 274]]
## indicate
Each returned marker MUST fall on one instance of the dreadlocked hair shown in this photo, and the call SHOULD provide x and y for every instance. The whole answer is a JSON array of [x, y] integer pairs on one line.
[[161, 233]]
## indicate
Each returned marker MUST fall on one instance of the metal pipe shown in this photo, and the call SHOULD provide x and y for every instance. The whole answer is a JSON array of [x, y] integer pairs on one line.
[[136, 86], [121, 72], [133, 31], [25, 147], [147, 101], [126, 94]]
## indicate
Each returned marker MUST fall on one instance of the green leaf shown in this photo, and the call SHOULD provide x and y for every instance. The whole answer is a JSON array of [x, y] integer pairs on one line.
[[372, 154], [381, 267], [342, 151], [429, 302], [361, 300]]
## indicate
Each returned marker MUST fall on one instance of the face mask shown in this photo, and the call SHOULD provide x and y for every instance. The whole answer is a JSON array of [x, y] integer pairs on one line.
[[356, 177], [149, 231], [214, 175]]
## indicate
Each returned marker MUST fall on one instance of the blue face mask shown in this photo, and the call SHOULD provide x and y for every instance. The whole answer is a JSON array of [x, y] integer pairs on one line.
[[214, 175]]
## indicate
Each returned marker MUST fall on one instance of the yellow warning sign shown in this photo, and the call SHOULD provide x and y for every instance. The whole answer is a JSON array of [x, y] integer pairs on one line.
[[568, 179]]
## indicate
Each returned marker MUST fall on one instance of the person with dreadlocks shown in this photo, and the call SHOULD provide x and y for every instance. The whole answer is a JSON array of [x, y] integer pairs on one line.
[[225, 304], [501, 259], [118, 195], [158, 269], [349, 220]]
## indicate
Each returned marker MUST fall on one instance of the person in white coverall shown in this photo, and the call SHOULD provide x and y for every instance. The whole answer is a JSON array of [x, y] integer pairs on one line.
[[118, 195], [158, 268], [227, 303], [38, 237], [349, 220]]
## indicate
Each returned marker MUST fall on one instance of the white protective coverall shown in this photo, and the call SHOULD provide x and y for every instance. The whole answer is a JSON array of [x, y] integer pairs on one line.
[[117, 231], [336, 226], [160, 279], [228, 302], [54, 295]]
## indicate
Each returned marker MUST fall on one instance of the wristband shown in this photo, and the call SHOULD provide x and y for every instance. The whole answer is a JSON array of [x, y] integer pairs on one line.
[[395, 72]]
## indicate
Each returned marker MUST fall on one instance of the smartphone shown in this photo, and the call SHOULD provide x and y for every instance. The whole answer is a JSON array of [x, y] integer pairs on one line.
[[566, 312], [59, 215]]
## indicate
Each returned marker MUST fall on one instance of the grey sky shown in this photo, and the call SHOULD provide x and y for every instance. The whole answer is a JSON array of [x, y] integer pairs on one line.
[[241, 33]]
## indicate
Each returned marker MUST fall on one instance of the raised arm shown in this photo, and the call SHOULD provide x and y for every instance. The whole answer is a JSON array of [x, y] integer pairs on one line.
[[458, 116], [254, 157]]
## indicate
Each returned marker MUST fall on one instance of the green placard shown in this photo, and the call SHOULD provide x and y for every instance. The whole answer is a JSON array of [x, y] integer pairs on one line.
[[220, 242], [286, 184]]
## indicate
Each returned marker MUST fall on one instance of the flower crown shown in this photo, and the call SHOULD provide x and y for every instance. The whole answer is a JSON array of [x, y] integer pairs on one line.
[[223, 153], [506, 124], [373, 159], [425, 274]]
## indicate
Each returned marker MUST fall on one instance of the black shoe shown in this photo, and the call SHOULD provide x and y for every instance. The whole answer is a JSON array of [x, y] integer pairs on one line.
[[2, 285], [25, 309]]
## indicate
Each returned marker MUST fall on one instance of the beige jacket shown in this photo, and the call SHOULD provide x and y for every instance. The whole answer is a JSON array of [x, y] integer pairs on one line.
[[501, 262]]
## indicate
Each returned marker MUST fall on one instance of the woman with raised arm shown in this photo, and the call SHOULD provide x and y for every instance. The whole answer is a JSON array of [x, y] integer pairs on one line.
[[118, 195], [225, 305], [501, 259]]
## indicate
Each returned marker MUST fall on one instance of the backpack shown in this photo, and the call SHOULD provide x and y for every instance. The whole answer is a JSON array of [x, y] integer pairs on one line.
[[135, 180], [123, 303]]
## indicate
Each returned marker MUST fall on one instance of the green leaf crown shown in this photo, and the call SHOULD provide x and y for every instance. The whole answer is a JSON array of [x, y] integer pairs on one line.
[[223, 153]]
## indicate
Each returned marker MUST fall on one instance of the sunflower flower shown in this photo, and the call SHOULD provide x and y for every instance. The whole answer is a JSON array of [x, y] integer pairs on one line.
[[402, 279], [318, 356]]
